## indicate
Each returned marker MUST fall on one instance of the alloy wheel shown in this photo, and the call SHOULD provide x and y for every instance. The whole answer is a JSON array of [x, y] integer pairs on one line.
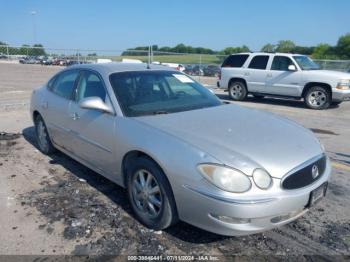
[[146, 193], [317, 98]]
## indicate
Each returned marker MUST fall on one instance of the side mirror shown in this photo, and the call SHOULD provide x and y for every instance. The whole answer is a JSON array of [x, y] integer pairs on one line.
[[292, 68], [95, 103]]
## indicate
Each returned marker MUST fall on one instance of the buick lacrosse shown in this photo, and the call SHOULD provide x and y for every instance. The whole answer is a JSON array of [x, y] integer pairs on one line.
[[179, 151]]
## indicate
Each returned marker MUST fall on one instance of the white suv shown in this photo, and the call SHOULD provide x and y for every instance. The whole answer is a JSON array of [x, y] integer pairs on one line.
[[283, 75]]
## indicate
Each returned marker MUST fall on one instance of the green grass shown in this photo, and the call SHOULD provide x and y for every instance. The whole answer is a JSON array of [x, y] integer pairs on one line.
[[180, 59]]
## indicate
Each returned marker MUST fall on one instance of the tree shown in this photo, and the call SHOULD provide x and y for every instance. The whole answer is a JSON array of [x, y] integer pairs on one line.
[[285, 46], [38, 50], [321, 51], [234, 50], [343, 46], [268, 48]]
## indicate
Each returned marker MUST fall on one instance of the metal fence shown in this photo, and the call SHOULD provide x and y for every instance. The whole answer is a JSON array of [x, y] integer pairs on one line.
[[194, 64]]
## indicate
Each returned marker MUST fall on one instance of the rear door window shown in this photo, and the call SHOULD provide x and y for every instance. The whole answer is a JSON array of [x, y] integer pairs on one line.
[[235, 61], [259, 62], [64, 84]]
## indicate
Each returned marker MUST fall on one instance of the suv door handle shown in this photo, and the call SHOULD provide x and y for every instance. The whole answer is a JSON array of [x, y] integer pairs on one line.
[[246, 74], [269, 75], [75, 116]]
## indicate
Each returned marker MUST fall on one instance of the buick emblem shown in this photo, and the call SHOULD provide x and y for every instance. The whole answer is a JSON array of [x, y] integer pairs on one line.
[[314, 171]]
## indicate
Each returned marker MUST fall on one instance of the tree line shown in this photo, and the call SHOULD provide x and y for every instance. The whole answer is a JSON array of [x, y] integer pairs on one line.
[[322, 51], [27, 50]]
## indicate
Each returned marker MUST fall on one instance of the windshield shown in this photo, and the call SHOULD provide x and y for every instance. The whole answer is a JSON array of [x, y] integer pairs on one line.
[[306, 63], [159, 92]]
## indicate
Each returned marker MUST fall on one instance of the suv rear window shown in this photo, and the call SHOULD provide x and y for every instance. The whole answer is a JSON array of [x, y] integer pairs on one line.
[[259, 62], [235, 61]]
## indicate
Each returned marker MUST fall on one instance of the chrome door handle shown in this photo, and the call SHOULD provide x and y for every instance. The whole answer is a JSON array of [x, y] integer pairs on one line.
[[269, 75], [75, 116]]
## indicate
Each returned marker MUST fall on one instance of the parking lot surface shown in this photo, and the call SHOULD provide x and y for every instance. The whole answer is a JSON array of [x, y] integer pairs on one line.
[[54, 205]]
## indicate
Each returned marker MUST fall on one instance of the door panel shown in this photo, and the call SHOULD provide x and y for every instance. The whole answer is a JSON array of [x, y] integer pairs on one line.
[[94, 137], [94, 131], [56, 107], [256, 80], [57, 120], [284, 83], [280, 80]]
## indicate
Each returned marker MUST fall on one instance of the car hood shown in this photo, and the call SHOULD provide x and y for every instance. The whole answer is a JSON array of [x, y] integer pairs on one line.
[[334, 74], [241, 138]]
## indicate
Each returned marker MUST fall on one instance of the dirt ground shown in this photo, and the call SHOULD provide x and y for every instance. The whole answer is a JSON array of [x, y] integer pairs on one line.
[[52, 205]]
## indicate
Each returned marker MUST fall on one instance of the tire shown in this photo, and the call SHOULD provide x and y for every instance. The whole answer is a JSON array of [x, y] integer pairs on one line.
[[317, 97], [238, 91], [258, 96], [42, 136], [155, 210]]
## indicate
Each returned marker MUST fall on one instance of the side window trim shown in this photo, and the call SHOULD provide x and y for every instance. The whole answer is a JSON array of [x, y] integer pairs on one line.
[[256, 56], [57, 76], [81, 72], [284, 57]]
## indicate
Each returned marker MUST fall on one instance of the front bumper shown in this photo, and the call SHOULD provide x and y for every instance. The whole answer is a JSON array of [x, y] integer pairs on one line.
[[206, 211], [340, 95]]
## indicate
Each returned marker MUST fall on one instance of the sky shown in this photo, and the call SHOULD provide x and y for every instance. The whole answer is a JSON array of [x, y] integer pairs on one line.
[[117, 25]]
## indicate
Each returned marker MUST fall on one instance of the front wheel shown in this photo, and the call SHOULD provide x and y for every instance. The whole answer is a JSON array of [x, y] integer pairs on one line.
[[150, 194], [318, 98], [238, 91]]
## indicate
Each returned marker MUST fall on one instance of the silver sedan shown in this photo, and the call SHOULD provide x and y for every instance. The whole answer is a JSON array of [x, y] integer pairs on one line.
[[181, 153]]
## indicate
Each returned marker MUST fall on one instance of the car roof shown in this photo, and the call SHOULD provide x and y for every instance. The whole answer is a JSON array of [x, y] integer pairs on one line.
[[266, 53], [114, 67]]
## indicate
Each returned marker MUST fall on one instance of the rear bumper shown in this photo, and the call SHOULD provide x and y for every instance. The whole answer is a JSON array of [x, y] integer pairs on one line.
[[233, 217], [341, 95]]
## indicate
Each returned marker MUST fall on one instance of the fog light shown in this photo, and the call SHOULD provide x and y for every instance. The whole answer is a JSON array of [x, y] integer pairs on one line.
[[231, 220]]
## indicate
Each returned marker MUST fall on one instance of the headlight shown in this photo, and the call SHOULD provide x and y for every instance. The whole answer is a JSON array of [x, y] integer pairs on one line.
[[262, 179], [344, 84], [226, 178]]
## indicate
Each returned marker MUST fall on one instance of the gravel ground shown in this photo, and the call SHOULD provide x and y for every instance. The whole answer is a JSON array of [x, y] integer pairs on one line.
[[54, 205]]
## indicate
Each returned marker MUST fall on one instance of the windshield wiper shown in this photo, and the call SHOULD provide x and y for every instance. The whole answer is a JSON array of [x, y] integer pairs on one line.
[[160, 112]]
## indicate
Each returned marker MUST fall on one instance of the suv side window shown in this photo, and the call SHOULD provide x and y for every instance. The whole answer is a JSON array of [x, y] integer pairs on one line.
[[90, 85], [64, 83], [259, 62], [235, 61], [281, 63]]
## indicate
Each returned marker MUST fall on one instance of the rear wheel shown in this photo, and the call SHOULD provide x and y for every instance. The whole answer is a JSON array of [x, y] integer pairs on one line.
[[42, 136], [150, 194], [238, 91], [317, 97]]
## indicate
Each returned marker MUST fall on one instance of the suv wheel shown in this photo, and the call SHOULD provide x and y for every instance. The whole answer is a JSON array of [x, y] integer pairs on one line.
[[238, 91], [150, 194], [317, 97]]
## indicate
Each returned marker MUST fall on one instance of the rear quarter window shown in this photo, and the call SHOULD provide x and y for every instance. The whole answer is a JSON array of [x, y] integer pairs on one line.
[[235, 61]]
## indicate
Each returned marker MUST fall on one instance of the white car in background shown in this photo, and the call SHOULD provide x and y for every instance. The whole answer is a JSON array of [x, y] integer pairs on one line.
[[283, 75]]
